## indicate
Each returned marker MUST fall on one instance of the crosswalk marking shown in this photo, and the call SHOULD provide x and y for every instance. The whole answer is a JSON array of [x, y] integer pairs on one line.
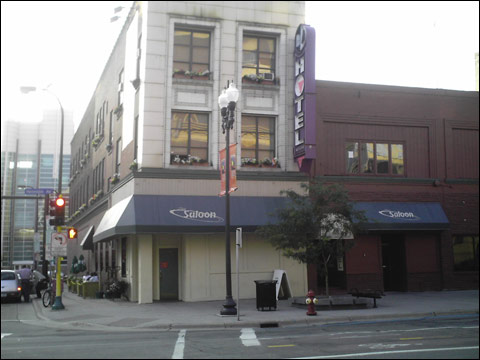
[[249, 338], [180, 345]]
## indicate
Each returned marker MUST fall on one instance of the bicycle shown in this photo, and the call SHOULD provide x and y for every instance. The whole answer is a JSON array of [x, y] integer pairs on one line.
[[47, 297]]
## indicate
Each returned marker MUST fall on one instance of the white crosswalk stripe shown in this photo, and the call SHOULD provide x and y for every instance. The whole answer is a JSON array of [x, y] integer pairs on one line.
[[180, 345], [249, 338]]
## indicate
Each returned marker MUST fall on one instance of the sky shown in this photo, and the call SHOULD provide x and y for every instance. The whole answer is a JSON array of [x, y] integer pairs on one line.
[[66, 44]]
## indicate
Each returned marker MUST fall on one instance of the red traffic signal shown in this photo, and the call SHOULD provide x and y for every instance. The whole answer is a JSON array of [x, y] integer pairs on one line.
[[57, 211], [60, 202], [72, 233]]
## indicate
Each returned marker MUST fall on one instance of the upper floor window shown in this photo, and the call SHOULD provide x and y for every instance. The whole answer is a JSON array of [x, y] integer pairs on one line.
[[191, 52], [258, 141], [258, 55], [378, 158], [189, 138], [120, 87]]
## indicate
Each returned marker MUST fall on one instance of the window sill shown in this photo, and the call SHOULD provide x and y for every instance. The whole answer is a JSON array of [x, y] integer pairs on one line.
[[201, 166], [204, 81], [259, 168]]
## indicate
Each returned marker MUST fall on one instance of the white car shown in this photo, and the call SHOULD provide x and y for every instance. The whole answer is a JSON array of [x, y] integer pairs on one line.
[[11, 285]]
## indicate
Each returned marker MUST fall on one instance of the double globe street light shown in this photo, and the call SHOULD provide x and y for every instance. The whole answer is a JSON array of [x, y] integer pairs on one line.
[[227, 102]]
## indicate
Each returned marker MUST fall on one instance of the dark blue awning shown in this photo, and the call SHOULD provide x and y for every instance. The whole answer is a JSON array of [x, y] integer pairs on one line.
[[403, 216], [141, 214]]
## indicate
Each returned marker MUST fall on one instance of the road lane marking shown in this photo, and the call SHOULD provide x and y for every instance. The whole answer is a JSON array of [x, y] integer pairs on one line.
[[281, 346], [386, 352], [249, 338], [180, 345], [5, 334]]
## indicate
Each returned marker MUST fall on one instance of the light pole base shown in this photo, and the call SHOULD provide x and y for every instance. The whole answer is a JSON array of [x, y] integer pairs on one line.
[[58, 305], [229, 307]]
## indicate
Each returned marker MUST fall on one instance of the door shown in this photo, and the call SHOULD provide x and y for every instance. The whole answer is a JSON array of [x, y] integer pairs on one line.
[[393, 263], [168, 274]]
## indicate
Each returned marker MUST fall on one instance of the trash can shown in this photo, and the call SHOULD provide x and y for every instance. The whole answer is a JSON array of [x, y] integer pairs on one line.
[[266, 294]]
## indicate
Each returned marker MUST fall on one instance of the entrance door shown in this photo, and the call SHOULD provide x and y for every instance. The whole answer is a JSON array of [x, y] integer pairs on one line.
[[168, 274], [393, 263]]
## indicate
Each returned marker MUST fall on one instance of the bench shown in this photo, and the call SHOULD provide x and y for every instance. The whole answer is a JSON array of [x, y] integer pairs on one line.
[[367, 293]]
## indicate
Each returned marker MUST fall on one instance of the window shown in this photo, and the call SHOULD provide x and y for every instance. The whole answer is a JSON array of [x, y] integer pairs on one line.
[[376, 158], [258, 55], [120, 88], [191, 51], [465, 253], [118, 151], [189, 138], [258, 139]]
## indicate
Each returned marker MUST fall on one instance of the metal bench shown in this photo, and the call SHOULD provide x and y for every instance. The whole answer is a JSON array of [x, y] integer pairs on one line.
[[367, 293]]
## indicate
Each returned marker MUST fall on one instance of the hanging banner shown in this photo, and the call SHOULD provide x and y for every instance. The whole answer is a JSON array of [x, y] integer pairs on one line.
[[233, 170]]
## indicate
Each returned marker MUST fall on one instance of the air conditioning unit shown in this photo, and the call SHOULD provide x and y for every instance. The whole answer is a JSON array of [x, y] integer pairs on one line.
[[269, 76]]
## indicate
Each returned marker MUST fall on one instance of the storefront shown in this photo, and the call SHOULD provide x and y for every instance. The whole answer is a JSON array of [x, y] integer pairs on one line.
[[173, 247], [399, 248]]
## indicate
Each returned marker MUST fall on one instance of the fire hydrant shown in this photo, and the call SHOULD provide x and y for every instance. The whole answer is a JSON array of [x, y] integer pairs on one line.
[[311, 301]]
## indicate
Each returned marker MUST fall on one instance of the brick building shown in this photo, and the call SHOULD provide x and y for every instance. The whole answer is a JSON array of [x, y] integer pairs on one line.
[[411, 154]]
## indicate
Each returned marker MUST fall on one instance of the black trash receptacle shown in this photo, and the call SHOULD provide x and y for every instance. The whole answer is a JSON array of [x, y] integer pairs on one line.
[[266, 294]]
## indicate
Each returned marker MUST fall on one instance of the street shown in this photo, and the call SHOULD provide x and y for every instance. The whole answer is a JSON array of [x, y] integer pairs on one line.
[[25, 336]]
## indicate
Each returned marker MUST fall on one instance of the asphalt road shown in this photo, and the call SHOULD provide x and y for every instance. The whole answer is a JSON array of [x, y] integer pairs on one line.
[[444, 337]]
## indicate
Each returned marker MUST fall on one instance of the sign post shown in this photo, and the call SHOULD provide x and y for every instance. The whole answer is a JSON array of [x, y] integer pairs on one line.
[[239, 244]]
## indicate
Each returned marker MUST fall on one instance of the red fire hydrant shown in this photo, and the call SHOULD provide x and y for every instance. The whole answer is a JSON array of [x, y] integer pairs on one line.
[[311, 302]]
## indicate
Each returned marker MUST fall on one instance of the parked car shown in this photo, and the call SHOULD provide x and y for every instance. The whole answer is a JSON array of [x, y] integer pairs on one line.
[[40, 282], [11, 285]]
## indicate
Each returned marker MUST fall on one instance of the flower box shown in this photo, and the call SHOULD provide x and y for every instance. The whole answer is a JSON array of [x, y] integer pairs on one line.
[[256, 79], [182, 74]]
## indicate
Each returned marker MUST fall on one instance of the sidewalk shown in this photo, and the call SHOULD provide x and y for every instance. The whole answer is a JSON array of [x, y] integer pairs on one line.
[[122, 315]]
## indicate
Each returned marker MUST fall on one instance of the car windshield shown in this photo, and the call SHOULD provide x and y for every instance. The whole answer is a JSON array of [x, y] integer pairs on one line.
[[8, 276]]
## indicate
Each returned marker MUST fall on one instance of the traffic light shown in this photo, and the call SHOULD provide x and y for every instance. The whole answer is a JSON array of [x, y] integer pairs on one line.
[[57, 209], [72, 233]]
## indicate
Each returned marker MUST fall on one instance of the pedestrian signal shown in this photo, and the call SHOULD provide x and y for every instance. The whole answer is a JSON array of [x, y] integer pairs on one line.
[[72, 233]]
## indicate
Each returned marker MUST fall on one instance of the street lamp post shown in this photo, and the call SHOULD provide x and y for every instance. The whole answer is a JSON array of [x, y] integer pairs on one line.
[[58, 305], [227, 102]]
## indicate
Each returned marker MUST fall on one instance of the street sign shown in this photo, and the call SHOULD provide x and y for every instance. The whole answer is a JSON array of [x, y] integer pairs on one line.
[[41, 191], [59, 244]]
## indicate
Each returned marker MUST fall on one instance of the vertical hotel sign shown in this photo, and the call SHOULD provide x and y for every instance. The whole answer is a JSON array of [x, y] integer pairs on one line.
[[305, 97]]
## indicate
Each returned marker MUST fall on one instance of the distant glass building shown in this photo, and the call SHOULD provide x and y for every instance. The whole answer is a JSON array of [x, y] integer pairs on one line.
[[30, 157]]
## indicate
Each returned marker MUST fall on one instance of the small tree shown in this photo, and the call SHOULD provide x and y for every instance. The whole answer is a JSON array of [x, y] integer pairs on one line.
[[313, 225]]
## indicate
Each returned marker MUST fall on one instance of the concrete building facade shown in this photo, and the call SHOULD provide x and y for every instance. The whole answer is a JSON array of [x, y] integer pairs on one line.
[[145, 174]]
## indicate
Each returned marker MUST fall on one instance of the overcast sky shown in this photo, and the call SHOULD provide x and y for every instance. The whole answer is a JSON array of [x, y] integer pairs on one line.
[[67, 44]]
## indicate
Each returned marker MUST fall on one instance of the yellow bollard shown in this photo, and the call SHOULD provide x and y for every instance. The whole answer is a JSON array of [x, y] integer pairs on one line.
[[58, 297]]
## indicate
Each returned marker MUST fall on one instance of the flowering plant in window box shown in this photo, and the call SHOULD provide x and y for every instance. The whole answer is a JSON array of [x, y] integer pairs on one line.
[[188, 160], [92, 200], [99, 193], [186, 74], [118, 110], [256, 79], [96, 141], [133, 165], [249, 162], [115, 179], [267, 162]]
